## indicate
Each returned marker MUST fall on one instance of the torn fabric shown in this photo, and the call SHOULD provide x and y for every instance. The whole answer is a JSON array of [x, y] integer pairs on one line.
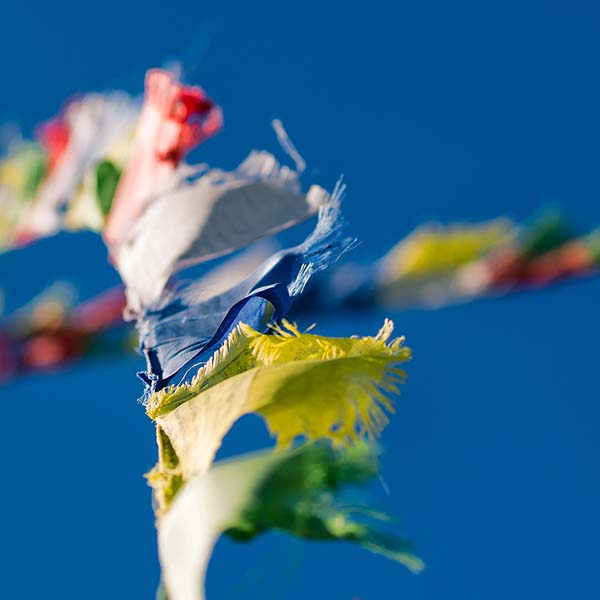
[[187, 325], [215, 215]]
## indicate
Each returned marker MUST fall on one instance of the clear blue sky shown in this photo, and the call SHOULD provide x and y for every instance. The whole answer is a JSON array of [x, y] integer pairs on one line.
[[431, 110]]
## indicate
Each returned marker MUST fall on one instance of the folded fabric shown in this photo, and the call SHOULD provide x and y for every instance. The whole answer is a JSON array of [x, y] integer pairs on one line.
[[190, 323]]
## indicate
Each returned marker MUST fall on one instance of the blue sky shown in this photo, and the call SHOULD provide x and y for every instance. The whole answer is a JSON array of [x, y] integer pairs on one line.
[[431, 110]]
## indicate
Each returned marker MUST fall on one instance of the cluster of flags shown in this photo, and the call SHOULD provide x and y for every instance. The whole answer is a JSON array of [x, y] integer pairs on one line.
[[223, 344], [437, 265], [53, 331], [66, 177], [216, 347], [434, 266]]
